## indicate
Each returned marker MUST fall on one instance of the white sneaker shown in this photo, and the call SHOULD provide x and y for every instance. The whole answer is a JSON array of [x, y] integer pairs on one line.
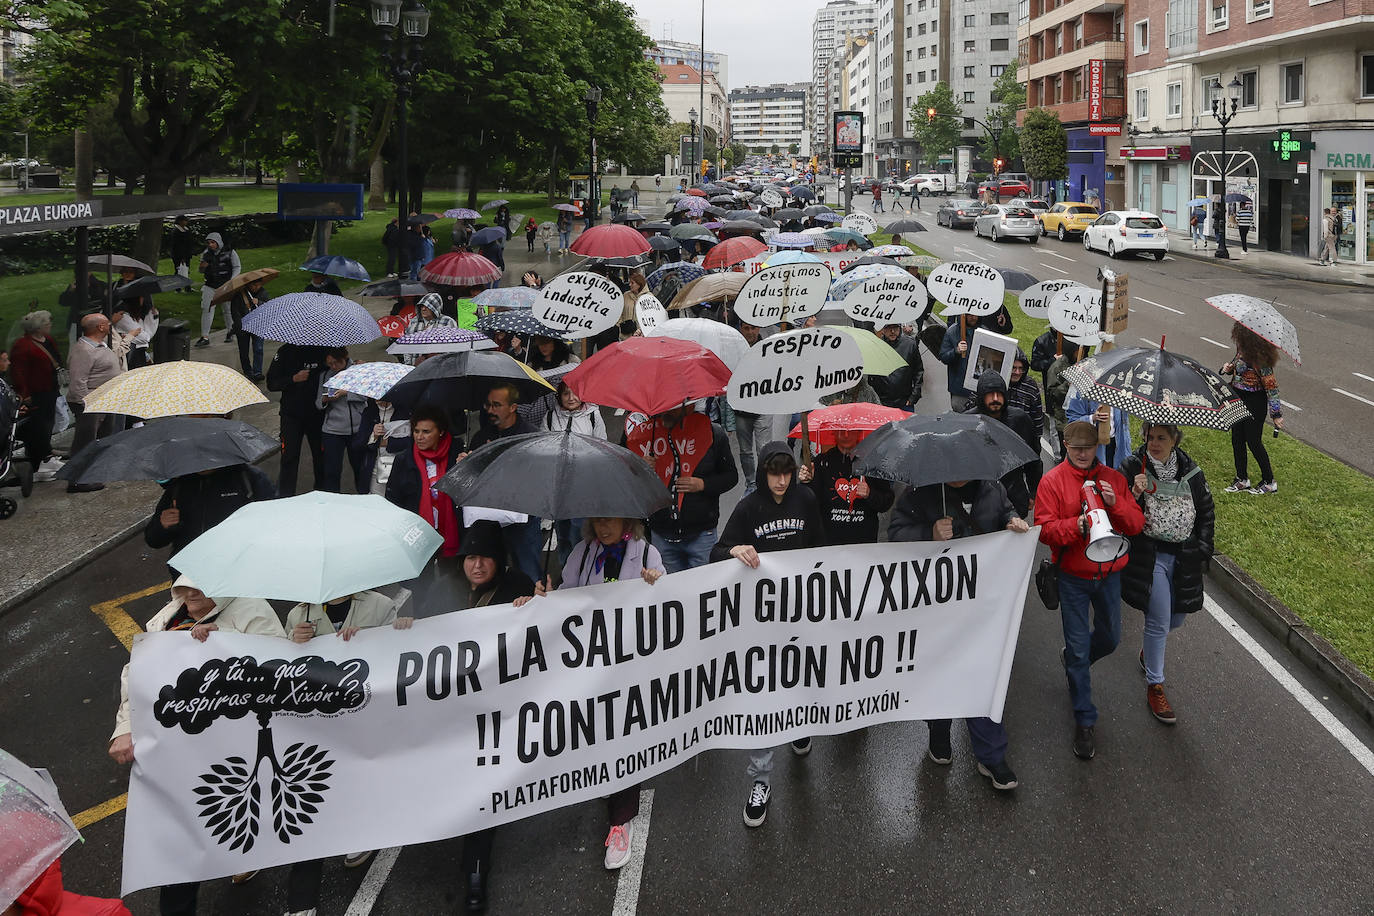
[[43, 475], [309, 912], [618, 845], [1264, 489], [356, 859], [1239, 484]]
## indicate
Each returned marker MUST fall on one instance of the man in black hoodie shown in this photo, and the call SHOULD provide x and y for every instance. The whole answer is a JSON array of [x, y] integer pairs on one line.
[[193, 504], [295, 372], [778, 515], [942, 512], [991, 401]]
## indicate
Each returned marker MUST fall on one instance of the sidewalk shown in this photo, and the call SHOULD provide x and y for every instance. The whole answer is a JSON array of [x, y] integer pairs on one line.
[[1272, 263]]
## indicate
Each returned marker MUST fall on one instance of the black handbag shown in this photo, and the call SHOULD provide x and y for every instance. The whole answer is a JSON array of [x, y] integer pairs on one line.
[[1047, 583]]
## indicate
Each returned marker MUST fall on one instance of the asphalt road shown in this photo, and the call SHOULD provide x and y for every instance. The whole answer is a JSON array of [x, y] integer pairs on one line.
[[1249, 804], [1329, 399]]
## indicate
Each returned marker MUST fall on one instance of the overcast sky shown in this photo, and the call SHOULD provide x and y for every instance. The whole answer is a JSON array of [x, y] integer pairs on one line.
[[766, 42]]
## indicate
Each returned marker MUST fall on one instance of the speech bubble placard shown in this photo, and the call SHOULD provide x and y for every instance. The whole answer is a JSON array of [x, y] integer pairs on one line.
[[649, 312], [1035, 300], [1076, 312], [580, 304], [970, 287], [887, 299], [783, 292], [791, 372], [771, 198], [861, 223]]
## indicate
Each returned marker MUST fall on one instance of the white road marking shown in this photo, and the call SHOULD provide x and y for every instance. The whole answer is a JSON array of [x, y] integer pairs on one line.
[[1363, 376], [1045, 447], [1355, 396], [968, 251], [1146, 341], [1059, 256], [373, 881], [1290, 406], [1362, 754], [1158, 305], [1217, 343], [627, 885], [1052, 267]]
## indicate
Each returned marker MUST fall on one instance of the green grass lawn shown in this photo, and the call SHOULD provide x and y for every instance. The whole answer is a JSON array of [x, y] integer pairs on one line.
[[1309, 544], [360, 241]]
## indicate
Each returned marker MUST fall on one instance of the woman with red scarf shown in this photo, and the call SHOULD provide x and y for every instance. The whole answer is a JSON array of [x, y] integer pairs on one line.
[[414, 482]]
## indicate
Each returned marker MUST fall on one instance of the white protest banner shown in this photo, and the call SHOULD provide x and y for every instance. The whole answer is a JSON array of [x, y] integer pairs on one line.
[[837, 261], [771, 198], [888, 299], [861, 223], [649, 312], [784, 292], [580, 304], [967, 287], [1076, 312], [254, 751], [791, 372], [1035, 300]]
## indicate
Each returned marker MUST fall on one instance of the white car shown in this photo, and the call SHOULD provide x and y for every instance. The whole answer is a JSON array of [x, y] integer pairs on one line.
[[1000, 221], [1119, 231]]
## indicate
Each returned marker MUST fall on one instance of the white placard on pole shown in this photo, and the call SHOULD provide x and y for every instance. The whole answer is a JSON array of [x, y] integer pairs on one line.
[[791, 372], [579, 304]]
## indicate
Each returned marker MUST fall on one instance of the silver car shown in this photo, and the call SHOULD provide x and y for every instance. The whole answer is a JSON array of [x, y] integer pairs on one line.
[[1013, 220]]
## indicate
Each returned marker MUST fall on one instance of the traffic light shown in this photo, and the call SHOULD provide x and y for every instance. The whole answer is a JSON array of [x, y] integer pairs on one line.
[[997, 165], [930, 115], [705, 164]]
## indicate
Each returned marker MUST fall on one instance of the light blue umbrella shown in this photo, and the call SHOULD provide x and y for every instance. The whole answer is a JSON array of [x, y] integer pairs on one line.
[[315, 547], [371, 380], [845, 236], [336, 265], [507, 297], [856, 277], [313, 320], [1199, 201]]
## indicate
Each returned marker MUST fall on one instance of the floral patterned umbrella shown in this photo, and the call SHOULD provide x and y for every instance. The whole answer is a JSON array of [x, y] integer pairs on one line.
[[371, 380]]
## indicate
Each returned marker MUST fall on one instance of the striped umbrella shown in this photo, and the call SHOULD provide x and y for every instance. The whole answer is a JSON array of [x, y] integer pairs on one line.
[[518, 321], [441, 340], [507, 297], [174, 389], [462, 213], [460, 268], [313, 320], [792, 240], [371, 380]]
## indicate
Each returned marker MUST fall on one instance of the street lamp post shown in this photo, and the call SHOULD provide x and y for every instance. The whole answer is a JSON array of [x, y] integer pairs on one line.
[[403, 64], [592, 98], [1233, 90], [692, 165], [25, 135]]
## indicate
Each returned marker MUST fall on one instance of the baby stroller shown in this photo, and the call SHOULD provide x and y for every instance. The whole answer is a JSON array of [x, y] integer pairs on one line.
[[12, 473]]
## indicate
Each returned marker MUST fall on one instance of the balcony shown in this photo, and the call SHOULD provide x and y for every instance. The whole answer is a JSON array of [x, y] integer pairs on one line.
[[1076, 59], [1071, 10], [1069, 112]]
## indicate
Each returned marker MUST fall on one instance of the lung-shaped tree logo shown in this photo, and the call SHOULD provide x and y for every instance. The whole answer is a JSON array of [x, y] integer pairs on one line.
[[230, 795]]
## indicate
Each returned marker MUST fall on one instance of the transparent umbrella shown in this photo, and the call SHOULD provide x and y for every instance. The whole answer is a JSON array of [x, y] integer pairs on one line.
[[34, 827]]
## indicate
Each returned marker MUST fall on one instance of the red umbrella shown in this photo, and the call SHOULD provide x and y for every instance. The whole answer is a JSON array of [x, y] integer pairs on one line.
[[615, 240], [861, 418], [649, 374], [733, 251], [696, 192], [460, 268]]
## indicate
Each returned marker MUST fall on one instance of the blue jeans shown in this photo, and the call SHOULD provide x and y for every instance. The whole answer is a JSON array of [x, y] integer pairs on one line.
[[336, 448], [564, 240], [747, 429], [989, 738], [415, 266], [688, 553], [1085, 643], [1159, 617], [524, 544]]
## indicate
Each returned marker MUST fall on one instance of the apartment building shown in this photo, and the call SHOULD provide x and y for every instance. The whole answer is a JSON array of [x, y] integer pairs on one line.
[[831, 28], [764, 116], [683, 93], [667, 51], [1072, 56], [1302, 138]]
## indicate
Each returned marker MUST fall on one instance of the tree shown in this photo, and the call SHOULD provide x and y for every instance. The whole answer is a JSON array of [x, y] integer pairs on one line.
[[794, 149], [775, 149], [738, 152], [1044, 146], [940, 133], [1009, 97]]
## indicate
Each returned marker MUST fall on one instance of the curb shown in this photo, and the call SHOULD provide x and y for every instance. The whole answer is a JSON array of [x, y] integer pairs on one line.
[[1235, 264], [71, 566], [1334, 669]]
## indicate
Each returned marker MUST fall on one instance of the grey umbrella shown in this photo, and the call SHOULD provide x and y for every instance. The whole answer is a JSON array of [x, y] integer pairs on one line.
[[579, 477], [165, 449], [1016, 280], [923, 450]]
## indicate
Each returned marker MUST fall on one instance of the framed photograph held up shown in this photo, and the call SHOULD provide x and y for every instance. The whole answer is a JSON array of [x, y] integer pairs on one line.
[[989, 352]]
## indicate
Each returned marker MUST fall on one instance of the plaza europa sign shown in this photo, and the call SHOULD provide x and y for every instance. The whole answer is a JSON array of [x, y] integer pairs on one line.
[[50, 216]]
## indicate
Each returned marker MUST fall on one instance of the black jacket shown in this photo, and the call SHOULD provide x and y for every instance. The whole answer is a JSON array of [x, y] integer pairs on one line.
[[219, 266], [701, 511], [903, 386], [183, 245], [297, 398], [920, 508], [205, 500], [766, 524], [403, 486], [1021, 483], [832, 472], [491, 432], [330, 285], [1194, 554]]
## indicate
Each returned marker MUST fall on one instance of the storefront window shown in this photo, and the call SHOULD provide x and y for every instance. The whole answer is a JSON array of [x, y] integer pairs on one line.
[[1338, 193], [1369, 220]]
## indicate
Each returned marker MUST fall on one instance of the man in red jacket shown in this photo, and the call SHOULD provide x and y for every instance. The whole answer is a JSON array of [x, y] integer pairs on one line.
[[1083, 582]]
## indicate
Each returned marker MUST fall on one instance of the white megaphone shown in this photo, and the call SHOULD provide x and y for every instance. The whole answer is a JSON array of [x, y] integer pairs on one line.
[[1104, 544]]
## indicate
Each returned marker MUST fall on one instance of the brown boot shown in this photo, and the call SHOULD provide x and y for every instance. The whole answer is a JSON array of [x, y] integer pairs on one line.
[[1159, 704]]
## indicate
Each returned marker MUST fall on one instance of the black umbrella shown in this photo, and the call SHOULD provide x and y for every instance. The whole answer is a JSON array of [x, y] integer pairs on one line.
[[114, 263], [1016, 280], [492, 235], [164, 449], [422, 219], [656, 226], [725, 200], [904, 225], [717, 212], [817, 208], [390, 289], [149, 286], [518, 321], [923, 450], [633, 216], [741, 214], [802, 192], [578, 477], [1158, 386], [764, 221], [787, 214], [631, 261], [663, 243], [740, 225], [460, 381]]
